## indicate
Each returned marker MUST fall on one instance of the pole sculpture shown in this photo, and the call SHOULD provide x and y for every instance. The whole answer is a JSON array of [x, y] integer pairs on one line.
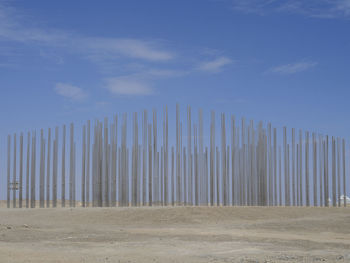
[[246, 170]]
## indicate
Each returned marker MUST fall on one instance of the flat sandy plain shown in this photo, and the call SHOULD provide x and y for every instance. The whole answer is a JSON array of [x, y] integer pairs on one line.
[[175, 234]]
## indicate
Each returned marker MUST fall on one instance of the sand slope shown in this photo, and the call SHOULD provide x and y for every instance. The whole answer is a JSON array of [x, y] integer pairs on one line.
[[180, 234]]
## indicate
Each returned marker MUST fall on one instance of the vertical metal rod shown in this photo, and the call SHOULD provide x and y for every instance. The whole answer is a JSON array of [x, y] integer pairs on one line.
[[27, 170], [269, 149], [275, 164], [144, 157], [42, 170], [14, 179], [55, 169], [32, 179], [21, 172], [326, 179], [280, 175], [338, 171], [344, 175], [48, 168], [217, 176], [150, 177], [301, 167], [63, 172], [307, 181], [314, 169], [83, 163], [286, 183], [233, 155], [71, 166], [223, 161], [293, 168], [189, 153], [88, 165], [74, 178], [320, 169], [297, 176], [334, 175], [8, 170]]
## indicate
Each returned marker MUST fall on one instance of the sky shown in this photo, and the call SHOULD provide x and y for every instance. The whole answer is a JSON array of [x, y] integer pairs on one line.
[[282, 61], [276, 60]]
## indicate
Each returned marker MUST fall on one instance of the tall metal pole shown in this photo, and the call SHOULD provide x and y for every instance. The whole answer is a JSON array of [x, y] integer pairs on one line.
[[14, 180], [293, 168], [83, 163], [338, 171], [307, 185], [42, 170], [71, 166], [344, 175], [48, 171], [8, 170], [21, 172], [32, 180], [334, 175], [63, 175], [88, 164], [27, 170], [55, 169], [314, 169]]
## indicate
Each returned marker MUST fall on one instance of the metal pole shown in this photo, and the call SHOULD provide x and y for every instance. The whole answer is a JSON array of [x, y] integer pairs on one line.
[[8, 170], [21, 172]]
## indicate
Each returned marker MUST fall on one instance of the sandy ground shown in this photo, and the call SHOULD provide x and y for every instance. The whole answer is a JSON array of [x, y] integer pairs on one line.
[[179, 234]]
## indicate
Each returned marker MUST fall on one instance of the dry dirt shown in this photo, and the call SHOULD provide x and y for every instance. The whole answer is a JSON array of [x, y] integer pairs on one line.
[[175, 234]]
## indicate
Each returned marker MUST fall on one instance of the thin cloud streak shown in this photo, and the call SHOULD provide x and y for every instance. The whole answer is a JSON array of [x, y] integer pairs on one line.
[[70, 92], [14, 28], [292, 68], [140, 83], [311, 8], [215, 65], [128, 86]]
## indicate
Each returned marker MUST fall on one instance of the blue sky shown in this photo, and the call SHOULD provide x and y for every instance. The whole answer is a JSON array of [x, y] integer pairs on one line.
[[281, 61]]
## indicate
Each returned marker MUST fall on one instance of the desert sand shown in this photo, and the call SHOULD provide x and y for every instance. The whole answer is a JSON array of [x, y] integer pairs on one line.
[[175, 234]]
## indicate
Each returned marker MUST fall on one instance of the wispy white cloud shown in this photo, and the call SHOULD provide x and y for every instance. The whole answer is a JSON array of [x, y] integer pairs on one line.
[[215, 65], [133, 48], [71, 92], [17, 28], [311, 8], [128, 86], [140, 83], [134, 66], [293, 68]]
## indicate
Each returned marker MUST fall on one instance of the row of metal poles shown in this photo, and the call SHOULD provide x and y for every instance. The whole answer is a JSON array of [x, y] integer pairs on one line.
[[241, 166]]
